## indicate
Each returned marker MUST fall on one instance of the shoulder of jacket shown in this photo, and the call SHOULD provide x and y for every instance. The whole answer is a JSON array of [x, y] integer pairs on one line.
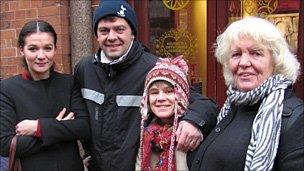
[[292, 104], [86, 60], [63, 76], [293, 108], [9, 81], [149, 58]]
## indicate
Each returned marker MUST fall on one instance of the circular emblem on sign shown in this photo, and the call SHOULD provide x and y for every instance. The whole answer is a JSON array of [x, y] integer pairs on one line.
[[176, 4], [176, 42], [260, 8]]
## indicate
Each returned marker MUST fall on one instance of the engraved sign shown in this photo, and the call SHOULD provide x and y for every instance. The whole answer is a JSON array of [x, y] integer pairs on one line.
[[176, 42], [176, 4], [260, 8]]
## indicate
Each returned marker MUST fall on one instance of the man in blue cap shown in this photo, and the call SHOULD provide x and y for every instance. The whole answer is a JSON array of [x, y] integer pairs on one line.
[[112, 84]]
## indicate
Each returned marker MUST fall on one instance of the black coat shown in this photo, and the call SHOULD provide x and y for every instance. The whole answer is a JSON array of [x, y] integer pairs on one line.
[[57, 148], [113, 94], [226, 146]]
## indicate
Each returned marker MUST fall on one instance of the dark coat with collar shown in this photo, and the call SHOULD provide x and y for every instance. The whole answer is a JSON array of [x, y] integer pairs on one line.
[[113, 93], [226, 146], [57, 148]]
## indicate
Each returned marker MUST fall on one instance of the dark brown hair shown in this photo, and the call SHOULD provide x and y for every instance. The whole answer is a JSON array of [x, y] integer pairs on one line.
[[35, 26]]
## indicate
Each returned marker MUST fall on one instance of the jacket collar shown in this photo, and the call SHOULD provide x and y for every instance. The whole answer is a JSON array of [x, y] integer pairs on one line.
[[103, 59], [111, 69]]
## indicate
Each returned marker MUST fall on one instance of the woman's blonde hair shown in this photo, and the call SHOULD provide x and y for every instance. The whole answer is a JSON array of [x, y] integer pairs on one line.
[[265, 33]]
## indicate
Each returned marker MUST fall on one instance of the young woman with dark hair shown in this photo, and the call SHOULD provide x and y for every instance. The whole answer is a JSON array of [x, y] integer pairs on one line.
[[42, 107]]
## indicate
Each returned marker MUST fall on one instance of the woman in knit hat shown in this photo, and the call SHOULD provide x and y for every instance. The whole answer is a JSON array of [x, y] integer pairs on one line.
[[164, 100]]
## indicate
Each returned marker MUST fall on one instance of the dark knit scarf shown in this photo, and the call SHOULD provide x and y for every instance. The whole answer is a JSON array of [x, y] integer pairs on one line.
[[157, 138], [266, 127]]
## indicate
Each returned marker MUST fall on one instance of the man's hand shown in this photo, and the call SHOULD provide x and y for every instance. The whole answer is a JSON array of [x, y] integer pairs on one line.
[[188, 136], [26, 127]]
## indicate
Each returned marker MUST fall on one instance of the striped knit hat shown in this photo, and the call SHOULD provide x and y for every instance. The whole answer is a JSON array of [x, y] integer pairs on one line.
[[174, 71]]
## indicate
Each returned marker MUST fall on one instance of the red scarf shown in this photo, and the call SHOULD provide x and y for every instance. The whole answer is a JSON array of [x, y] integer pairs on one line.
[[25, 75], [157, 137]]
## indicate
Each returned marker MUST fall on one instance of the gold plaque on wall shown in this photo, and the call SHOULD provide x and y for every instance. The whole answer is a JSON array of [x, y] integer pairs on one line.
[[175, 4], [176, 42]]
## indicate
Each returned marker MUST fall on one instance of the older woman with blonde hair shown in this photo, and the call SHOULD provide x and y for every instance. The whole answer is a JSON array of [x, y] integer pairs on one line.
[[260, 126]]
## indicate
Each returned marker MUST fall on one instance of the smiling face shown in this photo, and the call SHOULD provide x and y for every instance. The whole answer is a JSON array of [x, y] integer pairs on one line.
[[250, 63], [114, 36], [39, 51], [162, 100]]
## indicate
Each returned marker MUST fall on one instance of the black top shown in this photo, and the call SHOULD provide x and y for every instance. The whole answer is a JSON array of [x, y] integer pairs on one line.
[[226, 146], [57, 148], [238, 130]]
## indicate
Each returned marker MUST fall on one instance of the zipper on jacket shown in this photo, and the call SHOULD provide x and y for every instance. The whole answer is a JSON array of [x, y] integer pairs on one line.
[[96, 113]]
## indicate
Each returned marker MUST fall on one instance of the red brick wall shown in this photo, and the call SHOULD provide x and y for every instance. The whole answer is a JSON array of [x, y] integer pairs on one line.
[[14, 14]]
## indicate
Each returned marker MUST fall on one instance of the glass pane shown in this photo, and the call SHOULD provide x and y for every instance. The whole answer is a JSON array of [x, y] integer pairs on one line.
[[178, 27], [283, 13], [161, 19]]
